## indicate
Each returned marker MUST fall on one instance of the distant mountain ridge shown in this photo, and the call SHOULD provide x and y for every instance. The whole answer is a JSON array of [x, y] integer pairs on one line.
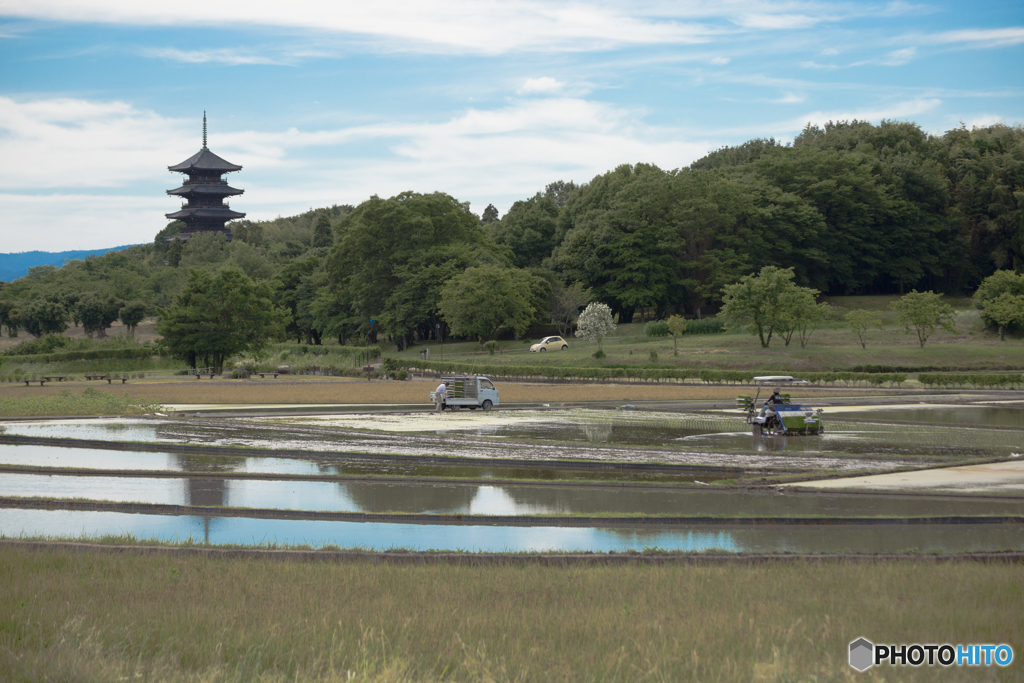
[[13, 266]]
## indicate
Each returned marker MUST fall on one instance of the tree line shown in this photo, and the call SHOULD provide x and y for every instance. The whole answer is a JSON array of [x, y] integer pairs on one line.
[[849, 208]]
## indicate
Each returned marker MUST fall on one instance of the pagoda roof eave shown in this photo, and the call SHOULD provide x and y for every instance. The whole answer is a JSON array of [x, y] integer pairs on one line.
[[226, 214], [204, 160], [209, 190]]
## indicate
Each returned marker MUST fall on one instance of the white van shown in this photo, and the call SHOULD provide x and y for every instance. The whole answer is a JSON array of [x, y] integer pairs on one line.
[[469, 391]]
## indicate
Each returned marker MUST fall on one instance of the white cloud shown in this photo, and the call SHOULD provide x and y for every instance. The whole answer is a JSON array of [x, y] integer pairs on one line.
[[61, 222], [482, 156], [983, 120], [777, 22], [992, 37], [815, 65], [899, 57], [540, 86], [474, 26], [720, 61], [790, 98], [898, 110], [66, 143], [221, 56]]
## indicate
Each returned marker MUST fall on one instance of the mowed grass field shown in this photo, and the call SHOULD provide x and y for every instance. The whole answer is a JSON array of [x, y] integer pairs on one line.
[[73, 616], [333, 390]]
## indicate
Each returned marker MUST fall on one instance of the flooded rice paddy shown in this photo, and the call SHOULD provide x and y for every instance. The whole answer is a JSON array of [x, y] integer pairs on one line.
[[478, 499], [530, 462], [387, 536]]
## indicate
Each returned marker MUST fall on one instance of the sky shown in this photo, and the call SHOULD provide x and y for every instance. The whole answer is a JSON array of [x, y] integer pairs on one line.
[[327, 103]]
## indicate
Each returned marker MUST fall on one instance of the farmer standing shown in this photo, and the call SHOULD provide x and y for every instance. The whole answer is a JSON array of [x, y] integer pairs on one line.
[[440, 396]]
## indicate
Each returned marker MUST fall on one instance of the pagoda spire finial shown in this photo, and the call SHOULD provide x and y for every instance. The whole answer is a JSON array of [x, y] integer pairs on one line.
[[204, 129]]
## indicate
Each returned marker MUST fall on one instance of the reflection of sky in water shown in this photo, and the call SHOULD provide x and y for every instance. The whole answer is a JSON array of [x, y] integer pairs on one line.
[[504, 499], [379, 536]]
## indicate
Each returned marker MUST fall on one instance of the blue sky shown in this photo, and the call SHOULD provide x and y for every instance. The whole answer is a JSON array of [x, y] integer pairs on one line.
[[331, 102]]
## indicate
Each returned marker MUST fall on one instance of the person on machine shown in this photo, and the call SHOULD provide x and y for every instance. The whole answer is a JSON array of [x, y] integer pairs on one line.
[[774, 400]]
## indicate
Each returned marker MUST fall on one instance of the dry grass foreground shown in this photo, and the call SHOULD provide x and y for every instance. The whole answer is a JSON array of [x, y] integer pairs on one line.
[[107, 617], [350, 391]]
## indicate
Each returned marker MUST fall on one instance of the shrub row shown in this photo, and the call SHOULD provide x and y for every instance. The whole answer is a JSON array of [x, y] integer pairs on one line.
[[976, 380], [815, 378], [92, 354], [313, 350], [659, 328], [394, 365]]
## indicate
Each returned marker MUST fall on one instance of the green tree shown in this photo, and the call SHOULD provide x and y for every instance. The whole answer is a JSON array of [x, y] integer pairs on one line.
[[560, 191], [922, 312], [43, 317], [322, 234], [392, 256], [528, 229], [205, 249], [800, 314], [758, 303], [860, 321], [595, 323], [9, 318], [676, 325], [174, 252], [482, 301], [565, 305], [131, 315], [994, 286], [1005, 310], [219, 314], [489, 215], [98, 315]]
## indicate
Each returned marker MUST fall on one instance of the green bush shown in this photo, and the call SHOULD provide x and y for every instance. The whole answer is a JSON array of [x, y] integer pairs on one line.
[[705, 326], [659, 328], [976, 380], [656, 328]]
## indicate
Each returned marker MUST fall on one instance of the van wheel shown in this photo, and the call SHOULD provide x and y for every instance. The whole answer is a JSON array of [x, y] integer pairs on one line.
[[542, 349], [486, 405], [565, 347]]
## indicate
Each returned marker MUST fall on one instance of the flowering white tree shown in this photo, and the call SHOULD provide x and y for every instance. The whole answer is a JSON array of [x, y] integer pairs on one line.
[[595, 322]]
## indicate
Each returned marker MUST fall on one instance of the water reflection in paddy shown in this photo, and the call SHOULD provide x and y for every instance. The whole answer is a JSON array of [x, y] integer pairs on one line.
[[719, 431], [374, 536], [506, 499], [997, 416], [322, 464]]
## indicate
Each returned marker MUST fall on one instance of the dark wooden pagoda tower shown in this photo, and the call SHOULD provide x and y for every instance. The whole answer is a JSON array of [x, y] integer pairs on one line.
[[204, 192]]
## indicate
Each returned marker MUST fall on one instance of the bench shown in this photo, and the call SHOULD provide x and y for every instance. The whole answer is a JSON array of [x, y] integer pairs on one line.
[[263, 375], [59, 378], [92, 377], [29, 381], [211, 375], [110, 380]]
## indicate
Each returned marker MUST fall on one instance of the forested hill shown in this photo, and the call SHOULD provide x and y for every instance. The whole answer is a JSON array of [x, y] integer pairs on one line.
[[13, 266], [852, 208]]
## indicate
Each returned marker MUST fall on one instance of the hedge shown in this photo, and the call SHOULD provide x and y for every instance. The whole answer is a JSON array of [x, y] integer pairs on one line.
[[815, 378], [976, 380], [92, 354], [392, 365], [659, 328]]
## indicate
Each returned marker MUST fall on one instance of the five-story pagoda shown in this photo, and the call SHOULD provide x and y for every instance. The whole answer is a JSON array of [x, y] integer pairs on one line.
[[204, 192]]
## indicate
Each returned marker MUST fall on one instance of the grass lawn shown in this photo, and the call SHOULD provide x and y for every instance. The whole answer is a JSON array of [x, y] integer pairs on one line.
[[126, 616]]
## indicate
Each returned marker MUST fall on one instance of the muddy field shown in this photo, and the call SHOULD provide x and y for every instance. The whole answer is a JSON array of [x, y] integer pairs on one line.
[[336, 390]]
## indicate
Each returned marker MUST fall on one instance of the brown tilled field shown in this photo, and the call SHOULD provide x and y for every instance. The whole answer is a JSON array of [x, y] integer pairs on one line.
[[334, 390]]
